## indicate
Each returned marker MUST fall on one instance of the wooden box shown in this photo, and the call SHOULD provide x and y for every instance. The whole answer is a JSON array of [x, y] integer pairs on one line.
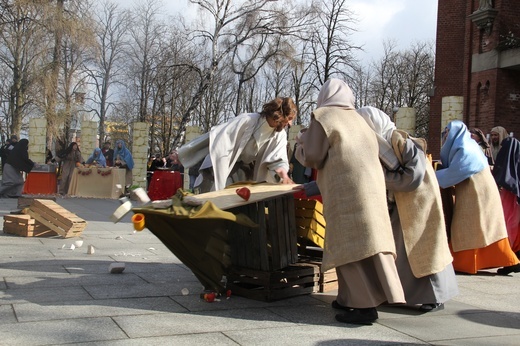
[[25, 226], [271, 246], [56, 218], [328, 280], [294, 280], [310, 222]]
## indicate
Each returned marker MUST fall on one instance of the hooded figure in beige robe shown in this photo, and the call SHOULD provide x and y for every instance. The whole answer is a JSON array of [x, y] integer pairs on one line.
[[358, 241], [498, 133], [424, 261]]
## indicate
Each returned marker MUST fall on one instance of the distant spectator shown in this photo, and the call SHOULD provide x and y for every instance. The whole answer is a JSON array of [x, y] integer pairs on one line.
[[123, 159], [497, 135], [478, 136], [97, 158], [108, 154], [173, 162]]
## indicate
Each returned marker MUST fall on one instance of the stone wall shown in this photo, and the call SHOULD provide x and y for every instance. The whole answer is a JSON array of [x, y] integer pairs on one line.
[[37, 139], [89, 132], [140, 153], [452, 109], [405, 120]]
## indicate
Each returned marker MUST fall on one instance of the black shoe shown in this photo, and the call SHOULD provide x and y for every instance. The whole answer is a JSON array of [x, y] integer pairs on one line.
[[431, 307], [338, 306], [509, 269], [358, 316]]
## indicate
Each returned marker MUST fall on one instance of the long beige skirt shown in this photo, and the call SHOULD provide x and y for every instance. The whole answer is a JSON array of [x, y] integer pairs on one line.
[[369, 282]]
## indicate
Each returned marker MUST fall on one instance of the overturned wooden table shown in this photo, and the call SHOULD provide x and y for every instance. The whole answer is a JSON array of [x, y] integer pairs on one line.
[[226, 232]]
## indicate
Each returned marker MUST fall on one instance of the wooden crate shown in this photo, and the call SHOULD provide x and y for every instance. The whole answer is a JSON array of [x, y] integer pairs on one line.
[[328, 280], [271, 246], [25, 226], [310, 222], [294, 280], [27, 200], [56, 218]]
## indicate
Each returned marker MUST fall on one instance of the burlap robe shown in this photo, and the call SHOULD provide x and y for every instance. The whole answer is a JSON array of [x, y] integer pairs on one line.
[[422, 218], [353, 189], [478, 218]]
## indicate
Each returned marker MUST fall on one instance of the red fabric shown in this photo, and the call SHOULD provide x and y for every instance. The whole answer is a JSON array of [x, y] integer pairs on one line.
[[42, 183], [301, 195], [164, 184], [512, 216]]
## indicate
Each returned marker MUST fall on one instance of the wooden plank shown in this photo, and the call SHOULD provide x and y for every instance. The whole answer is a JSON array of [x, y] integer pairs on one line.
[[227, 198], [256, 235], [44, 213], [57, 212], [262, 236], [47, 223], [309, 204], [61, 212], [291, 281], [26, 230], [310, 214], [292, 236], [273, 234]]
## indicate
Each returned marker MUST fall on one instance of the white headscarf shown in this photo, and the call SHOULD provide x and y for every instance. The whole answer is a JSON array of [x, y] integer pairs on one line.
[[336, 93], [383, 126]]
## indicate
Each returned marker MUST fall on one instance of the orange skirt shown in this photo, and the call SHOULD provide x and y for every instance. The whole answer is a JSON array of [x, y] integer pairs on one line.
[[496, 255]]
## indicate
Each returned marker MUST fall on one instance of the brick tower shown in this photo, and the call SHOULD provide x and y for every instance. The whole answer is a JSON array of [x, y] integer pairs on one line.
[[477, 67]]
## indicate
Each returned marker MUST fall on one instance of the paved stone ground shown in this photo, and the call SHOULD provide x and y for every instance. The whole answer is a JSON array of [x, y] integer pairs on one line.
[[52, 295]]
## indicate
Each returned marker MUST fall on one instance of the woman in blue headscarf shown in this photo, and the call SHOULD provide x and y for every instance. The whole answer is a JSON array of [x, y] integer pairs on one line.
[[478, 236], [123, 159], [97, 158]]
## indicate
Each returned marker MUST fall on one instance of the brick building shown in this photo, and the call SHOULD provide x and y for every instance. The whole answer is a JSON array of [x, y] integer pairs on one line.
[[477, 67]]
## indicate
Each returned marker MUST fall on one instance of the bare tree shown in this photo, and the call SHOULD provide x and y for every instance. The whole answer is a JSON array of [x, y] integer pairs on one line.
[[22, 43], [331, 48], [146, 31], [223, 37], [106, 63], [403, 79]]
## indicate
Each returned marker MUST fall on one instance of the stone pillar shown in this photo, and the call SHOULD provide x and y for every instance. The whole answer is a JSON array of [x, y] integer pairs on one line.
[[37, 140], [452, 109], [192, 132], [89, 141], [140, 153], [405, 120]]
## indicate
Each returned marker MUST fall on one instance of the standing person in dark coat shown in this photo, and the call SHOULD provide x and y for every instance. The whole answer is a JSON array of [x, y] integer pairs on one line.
[[7, 148], [17, 162]]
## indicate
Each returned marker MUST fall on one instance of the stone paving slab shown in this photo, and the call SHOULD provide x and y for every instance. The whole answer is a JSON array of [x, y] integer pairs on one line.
[[95, 308], [192, 323], [473, 324], [59, 332], [329, 335], [39, 295], [214, 339]]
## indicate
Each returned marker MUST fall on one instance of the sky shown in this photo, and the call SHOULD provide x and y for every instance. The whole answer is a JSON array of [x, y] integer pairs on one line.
[[403, 21]]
